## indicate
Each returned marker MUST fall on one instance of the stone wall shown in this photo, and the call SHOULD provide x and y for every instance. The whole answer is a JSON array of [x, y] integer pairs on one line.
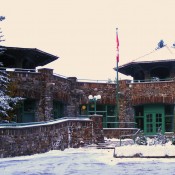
[[126, 111], [106, 90], [45, 87], [108, 96], [59, 134], [27, 140], [153, 92]]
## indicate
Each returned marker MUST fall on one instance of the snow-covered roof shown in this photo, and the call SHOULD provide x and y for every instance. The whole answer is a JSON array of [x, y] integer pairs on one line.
[[160, 54], [164, 55]]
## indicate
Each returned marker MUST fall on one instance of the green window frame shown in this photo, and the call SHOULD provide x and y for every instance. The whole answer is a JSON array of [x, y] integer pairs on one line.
[[107, 111]]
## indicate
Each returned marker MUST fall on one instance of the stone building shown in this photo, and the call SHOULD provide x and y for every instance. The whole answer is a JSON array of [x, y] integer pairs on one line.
[[151, 92], [146, 102]]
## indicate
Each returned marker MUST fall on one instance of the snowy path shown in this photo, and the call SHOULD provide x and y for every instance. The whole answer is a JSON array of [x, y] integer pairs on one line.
[[84, 161]]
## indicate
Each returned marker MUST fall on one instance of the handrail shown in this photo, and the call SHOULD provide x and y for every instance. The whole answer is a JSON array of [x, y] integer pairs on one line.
[[124, 124], [13, 124], [8, 69], [130, 135], [152, 80], [95, 81]]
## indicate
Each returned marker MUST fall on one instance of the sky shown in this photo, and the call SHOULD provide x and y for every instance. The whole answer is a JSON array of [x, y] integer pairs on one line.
[[82, 33]]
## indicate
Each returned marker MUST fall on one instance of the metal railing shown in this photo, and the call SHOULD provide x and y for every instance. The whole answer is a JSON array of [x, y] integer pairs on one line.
[[122, 124], [18, 70], [152, 80], [96, 81], [132, 136], [14, 124]]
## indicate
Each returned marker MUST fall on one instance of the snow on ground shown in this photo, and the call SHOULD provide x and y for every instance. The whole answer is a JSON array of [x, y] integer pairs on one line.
[[153, 150], [84, 161]]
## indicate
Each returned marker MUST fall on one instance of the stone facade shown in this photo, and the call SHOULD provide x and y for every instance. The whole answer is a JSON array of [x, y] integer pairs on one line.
[[45, 87], [153, 92]]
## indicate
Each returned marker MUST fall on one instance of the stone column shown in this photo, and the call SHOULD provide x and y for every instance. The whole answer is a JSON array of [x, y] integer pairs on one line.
[[126, 111], [45, 108], [72, 108], [97, 128]]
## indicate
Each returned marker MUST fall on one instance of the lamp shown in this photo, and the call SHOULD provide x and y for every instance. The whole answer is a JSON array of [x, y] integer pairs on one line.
[[94, 99]]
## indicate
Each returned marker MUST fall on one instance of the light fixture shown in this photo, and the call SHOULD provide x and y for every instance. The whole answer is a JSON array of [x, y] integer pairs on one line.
[[94, 99]]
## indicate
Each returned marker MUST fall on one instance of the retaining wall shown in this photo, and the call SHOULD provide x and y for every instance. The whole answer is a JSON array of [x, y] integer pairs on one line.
[[21, 140], [32, 139]]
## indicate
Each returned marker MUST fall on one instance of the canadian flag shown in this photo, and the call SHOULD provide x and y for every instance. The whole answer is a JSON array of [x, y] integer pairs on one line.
[[117, 42]]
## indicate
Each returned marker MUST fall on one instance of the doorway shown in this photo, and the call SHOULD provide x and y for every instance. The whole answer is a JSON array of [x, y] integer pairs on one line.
[[154, 119]]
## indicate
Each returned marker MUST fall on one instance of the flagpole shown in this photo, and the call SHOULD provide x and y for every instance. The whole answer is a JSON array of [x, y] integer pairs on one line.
[[117, 94], [117, 83]]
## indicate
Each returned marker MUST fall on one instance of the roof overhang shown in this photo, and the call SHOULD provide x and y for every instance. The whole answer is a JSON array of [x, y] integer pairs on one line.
[[129, 69], [30, 58]]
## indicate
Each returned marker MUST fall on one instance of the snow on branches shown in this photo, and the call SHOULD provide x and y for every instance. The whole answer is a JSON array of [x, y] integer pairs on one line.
[[6, 102]]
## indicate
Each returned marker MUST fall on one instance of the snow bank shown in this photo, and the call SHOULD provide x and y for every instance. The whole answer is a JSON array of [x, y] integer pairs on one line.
[[146, 151]]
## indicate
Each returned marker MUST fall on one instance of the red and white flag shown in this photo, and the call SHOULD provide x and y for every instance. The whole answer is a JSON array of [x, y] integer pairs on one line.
[[117, 42]]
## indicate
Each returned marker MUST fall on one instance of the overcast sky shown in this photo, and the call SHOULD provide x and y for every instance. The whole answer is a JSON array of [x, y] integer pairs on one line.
[[83, 32]]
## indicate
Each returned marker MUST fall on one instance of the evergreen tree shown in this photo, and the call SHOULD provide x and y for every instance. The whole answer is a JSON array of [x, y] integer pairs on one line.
[[6, 102]]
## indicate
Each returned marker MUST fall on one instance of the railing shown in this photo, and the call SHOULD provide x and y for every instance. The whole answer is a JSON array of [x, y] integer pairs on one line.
[[133, 136], [96, 81], [14, 124], [153, 79], [17, 69], [122, 124]]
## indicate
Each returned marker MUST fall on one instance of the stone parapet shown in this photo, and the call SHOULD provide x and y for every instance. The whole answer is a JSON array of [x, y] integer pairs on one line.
[[32, 139], [153, 92]]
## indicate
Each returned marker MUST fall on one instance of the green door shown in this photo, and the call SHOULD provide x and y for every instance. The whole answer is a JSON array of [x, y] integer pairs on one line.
[[154, 119]]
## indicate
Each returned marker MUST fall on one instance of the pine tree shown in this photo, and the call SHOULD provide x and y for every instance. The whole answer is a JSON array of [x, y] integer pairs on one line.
[[6, 102]]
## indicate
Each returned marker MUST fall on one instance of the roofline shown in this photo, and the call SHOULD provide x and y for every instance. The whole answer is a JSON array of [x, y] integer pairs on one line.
[[143, 62], [38, 50]]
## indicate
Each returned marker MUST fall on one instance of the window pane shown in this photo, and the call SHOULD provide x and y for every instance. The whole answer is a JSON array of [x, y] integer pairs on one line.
[[111, 110]]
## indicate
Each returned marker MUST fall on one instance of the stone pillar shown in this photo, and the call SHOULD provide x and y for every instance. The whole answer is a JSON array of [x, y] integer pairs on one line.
[[45, 108], [73, 107], [126, 112], [97, 128]]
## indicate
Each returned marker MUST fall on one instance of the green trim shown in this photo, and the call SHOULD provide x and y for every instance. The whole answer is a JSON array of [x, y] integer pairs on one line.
[[107, 111], [154, 117]]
